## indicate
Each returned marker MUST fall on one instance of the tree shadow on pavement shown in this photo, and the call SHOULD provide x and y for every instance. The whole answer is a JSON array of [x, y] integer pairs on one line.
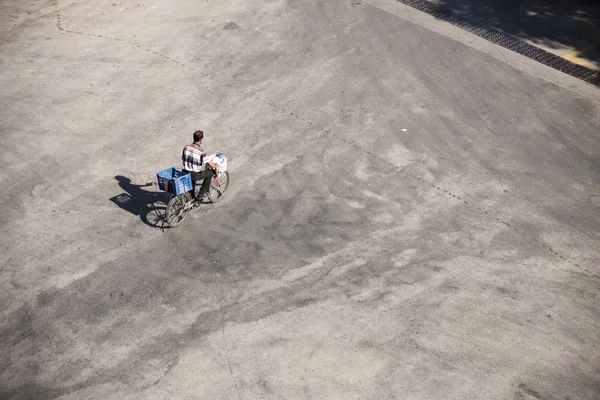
[[555, 24], [148, 205]]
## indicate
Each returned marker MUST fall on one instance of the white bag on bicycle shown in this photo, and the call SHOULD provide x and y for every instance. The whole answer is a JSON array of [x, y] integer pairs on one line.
[[218, 159]]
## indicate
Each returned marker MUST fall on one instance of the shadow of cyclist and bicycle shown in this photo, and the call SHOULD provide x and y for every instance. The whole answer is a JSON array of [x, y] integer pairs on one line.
[[147, 204]]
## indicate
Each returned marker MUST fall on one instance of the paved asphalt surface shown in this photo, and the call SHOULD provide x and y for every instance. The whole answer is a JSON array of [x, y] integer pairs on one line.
[[412, 215]]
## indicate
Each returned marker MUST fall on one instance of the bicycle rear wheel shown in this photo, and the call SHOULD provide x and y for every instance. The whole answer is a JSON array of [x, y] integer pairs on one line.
[[176, 212], [218, 186]]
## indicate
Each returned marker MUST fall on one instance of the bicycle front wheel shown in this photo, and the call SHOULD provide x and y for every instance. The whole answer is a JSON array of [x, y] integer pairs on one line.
[[218, 186], [176, 212]]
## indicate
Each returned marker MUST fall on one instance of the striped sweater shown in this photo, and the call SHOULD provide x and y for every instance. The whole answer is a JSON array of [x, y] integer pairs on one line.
[[193, 158]]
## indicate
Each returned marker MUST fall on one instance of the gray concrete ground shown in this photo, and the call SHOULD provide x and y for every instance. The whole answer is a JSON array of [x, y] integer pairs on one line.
[[412, 216]]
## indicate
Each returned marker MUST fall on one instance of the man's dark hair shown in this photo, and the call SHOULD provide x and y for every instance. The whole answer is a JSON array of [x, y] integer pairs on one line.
[[198, 135]]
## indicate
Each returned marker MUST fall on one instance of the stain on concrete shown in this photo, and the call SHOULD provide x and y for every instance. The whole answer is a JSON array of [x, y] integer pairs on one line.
[[230, 26]]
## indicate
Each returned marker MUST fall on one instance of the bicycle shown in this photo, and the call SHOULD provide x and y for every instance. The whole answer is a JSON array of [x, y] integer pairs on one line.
[[181, 189]]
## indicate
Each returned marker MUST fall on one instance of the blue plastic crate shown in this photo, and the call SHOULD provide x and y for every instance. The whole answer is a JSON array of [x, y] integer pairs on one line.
[[174, 181]]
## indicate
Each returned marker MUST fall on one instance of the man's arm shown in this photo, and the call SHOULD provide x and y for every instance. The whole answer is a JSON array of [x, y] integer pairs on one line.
[[213, 165]]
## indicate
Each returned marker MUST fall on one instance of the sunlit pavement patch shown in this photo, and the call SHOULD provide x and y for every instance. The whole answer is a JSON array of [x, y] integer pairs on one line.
[[585, 56]]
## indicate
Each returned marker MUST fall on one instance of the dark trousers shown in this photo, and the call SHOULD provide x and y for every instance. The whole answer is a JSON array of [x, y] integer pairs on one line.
[[206, 176]]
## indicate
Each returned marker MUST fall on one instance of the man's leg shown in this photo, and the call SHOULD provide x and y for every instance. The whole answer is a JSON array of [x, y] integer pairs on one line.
[[203, 176], [207, 176]]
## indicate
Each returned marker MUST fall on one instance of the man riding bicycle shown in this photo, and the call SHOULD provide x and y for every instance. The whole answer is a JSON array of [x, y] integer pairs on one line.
[[193, 162]]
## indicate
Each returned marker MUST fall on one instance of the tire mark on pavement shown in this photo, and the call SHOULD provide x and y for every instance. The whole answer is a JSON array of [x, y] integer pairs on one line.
[[462, 199], [516, 230]]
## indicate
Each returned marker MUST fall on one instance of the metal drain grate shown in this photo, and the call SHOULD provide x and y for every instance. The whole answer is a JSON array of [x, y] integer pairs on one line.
[[506, 41]]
